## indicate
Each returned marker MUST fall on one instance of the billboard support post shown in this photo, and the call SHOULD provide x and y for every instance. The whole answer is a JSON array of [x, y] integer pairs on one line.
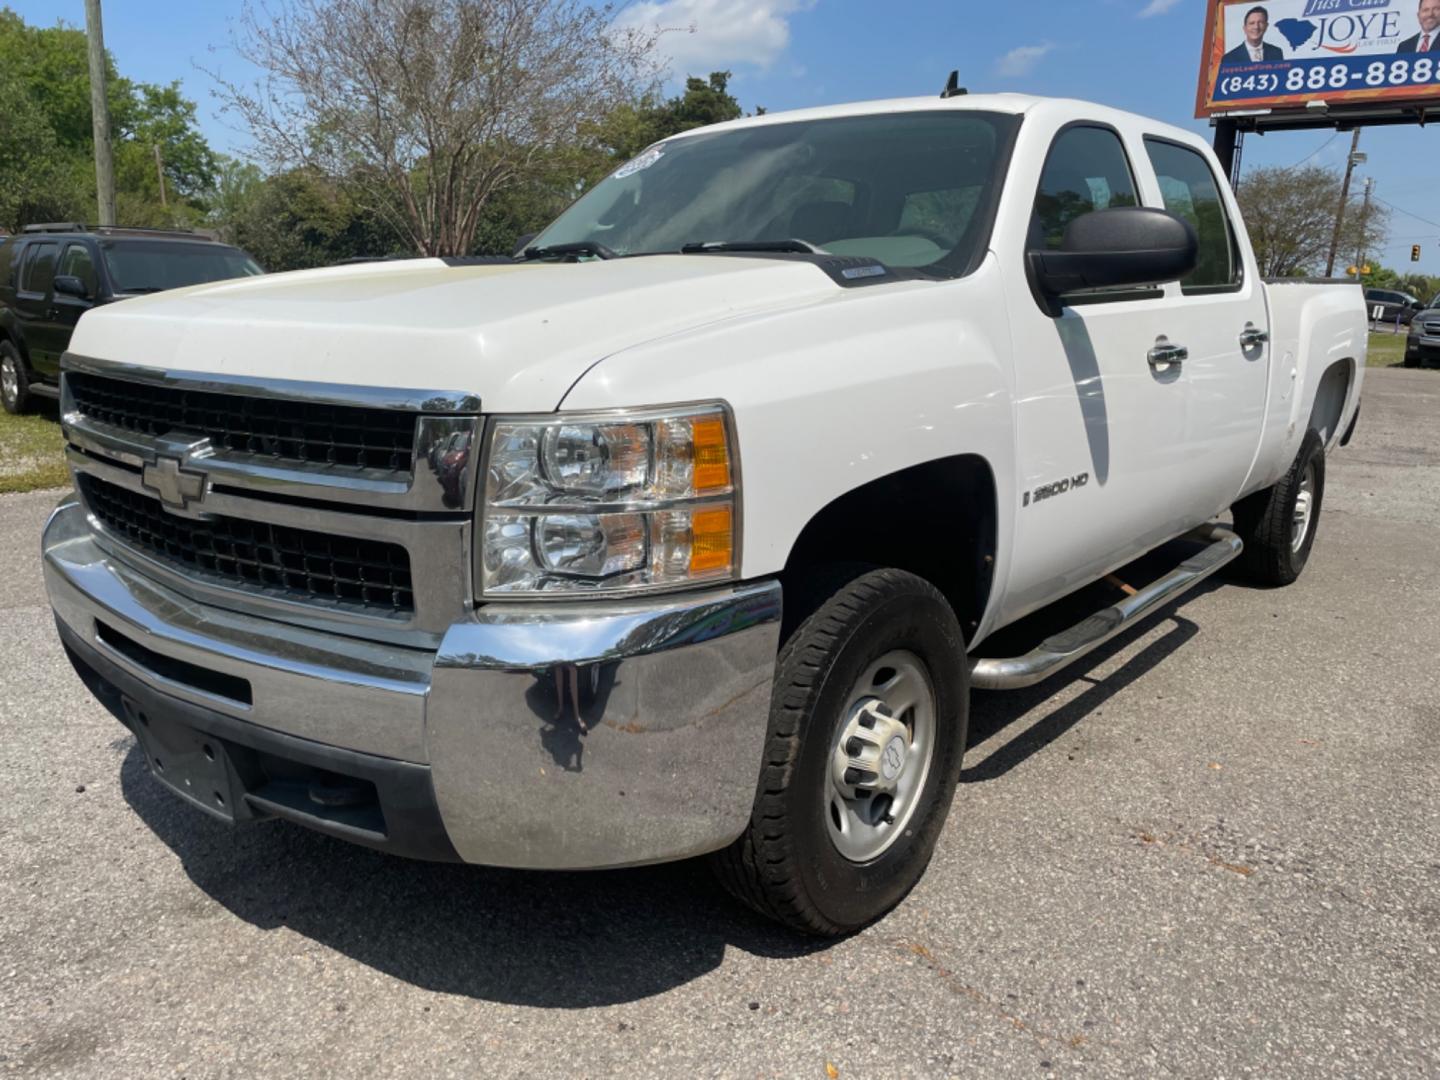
[[1227, 134]]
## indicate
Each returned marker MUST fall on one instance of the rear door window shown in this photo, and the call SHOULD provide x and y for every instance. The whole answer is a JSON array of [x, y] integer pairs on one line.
[[1190, 192], [39, 271]]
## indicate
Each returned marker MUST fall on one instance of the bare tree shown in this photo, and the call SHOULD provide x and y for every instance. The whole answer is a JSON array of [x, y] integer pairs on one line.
[[430, 107], [1291, 216]]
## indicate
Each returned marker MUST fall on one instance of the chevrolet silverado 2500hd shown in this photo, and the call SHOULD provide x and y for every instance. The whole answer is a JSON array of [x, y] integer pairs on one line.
[[684, 531]]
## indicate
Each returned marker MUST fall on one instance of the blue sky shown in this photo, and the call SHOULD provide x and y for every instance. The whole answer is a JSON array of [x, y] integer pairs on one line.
[[1133, 54]]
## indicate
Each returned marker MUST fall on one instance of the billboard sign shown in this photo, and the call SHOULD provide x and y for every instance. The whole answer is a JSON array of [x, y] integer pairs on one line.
[[1282, 54]]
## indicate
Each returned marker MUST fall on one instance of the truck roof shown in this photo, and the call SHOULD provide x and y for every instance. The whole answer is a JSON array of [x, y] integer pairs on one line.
[[1013, 104]]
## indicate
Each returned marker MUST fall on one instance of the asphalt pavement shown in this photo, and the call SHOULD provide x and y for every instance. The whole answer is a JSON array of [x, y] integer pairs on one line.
[[1212, 850]]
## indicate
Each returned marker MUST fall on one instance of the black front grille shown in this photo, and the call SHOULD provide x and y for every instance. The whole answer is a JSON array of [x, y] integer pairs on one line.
[[288, 430], [298, 563]]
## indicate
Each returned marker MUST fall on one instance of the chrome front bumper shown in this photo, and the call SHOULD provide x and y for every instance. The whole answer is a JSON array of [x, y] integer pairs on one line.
[[561, 736]]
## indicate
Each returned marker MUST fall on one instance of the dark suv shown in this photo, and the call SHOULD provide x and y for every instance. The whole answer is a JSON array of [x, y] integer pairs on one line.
[[1422, 347], [50, 275]]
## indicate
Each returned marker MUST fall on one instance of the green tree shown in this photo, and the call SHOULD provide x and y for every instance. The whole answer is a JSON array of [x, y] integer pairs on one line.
[[37, 182], [297, 219], [48, 76], [1290, 214]]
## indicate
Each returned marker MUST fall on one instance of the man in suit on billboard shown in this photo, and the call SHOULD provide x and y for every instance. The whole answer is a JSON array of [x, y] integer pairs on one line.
[[1255, 49], [1425, 41]]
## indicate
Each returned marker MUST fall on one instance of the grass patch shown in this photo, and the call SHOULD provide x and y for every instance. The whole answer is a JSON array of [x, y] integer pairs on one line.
[[32, 451], [1386, 350]]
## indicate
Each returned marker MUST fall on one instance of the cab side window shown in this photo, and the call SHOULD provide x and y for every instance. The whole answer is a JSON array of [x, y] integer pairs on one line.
[[1086, 170], [39, 271], [78, 263], [1189, 190]]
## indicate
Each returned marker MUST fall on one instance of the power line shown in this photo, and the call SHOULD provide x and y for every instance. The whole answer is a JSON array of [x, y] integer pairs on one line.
[[1317, 150], [1407, 213]]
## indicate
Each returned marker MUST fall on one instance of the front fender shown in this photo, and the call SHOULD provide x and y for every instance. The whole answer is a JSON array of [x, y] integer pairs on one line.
[[838, 393]]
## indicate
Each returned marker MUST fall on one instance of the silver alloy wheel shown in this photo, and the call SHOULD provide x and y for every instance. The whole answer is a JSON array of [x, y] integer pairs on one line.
[[881, 756], [9, 379], [1304, 508]]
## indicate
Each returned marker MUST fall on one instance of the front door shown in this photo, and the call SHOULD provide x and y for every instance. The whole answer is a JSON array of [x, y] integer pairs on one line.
[[1102, 452], [65, 310]]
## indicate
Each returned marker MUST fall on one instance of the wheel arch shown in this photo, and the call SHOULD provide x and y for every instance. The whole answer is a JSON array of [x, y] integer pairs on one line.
[[938, 519], [1332, 392]]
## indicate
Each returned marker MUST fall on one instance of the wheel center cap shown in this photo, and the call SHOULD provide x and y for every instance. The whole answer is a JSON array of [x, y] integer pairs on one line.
[[892, 759]]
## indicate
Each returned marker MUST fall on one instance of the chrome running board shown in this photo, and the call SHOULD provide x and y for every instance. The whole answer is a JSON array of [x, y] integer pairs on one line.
[[1062, 649]]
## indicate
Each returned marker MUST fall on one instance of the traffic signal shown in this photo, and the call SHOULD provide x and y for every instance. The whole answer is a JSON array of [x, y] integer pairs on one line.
[[1415, 253]]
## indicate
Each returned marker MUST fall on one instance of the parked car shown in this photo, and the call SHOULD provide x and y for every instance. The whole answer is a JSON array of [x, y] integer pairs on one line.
[[690, 530], [1422, 347], [1393, 306], [50, 275]]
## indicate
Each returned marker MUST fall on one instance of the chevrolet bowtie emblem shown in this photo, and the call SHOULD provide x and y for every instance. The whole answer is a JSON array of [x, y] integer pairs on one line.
[[176, 486]]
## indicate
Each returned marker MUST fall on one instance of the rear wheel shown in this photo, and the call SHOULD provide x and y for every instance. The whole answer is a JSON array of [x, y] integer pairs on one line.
[[14, 385], [867, 729], [1278, 524]]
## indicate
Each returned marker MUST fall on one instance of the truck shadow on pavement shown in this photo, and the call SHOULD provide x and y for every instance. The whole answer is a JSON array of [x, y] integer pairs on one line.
[[992, 712], [550, 940]]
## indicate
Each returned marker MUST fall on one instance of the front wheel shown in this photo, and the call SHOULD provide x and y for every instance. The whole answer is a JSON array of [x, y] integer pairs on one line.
[[867, 730], [1278, 524]]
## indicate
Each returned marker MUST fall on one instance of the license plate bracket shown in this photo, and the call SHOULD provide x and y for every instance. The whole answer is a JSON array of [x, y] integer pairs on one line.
[[194, 764]]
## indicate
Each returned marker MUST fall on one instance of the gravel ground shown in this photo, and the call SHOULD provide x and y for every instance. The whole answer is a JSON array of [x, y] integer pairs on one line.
[[1213, 850]]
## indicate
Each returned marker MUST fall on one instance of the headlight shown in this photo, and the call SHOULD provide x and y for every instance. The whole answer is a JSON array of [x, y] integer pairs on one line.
[[608, 502]]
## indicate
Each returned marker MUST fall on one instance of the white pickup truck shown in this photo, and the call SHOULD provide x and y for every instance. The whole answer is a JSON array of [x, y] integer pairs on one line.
[[684, 531]]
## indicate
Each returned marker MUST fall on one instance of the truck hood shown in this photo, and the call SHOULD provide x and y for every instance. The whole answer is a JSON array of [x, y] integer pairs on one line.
[[518, 335]]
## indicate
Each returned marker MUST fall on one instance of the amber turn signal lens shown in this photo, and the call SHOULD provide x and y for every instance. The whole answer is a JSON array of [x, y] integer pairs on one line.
[[712, 454], [712, 540]]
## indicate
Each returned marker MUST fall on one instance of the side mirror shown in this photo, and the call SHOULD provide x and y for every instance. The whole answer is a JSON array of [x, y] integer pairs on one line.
[[71, 286], [1126, 246], [522, 243]]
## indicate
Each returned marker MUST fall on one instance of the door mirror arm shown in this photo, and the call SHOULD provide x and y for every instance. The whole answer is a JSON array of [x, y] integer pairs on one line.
[[70, 285], [1129, 246]]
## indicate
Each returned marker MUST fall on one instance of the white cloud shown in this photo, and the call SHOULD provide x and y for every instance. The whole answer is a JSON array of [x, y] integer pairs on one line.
[[1022, 59], [1157, 7], [710, 35]]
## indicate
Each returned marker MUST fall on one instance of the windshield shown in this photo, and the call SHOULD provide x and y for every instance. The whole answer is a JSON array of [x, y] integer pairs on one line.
[[912, 189], [151, 266]]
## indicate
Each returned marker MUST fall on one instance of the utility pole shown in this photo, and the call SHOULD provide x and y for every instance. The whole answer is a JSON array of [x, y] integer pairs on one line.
[[1360, 252], [1355, 158], [100, 114], [160, 172]]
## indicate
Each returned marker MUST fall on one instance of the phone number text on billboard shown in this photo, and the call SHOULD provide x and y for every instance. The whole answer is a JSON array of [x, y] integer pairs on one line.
[[1309, 76]]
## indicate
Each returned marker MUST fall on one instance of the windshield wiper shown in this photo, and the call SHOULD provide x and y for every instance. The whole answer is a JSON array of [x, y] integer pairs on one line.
[[803, 247], [578, 247], [144, 289]]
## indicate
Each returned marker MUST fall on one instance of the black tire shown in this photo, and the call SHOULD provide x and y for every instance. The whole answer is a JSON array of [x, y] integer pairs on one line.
[[786, 865], [1412, 359], [14, 383], [1266, 520]]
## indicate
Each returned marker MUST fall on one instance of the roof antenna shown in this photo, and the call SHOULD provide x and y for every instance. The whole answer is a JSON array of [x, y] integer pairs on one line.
[[953, 87]]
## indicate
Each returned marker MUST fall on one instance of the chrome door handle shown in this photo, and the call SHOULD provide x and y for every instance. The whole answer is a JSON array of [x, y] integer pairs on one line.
[[1164, 354], [1252, 335]]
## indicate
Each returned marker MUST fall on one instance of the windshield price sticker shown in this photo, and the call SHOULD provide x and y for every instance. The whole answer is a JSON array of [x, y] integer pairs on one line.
[[637, 164]]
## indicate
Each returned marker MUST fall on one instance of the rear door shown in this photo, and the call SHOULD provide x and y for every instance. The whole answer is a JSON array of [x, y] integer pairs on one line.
[[1219, 314], [33, 314]]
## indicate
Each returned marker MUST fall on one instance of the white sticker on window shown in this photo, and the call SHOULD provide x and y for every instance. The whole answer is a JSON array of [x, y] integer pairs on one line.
[[644, 161]]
